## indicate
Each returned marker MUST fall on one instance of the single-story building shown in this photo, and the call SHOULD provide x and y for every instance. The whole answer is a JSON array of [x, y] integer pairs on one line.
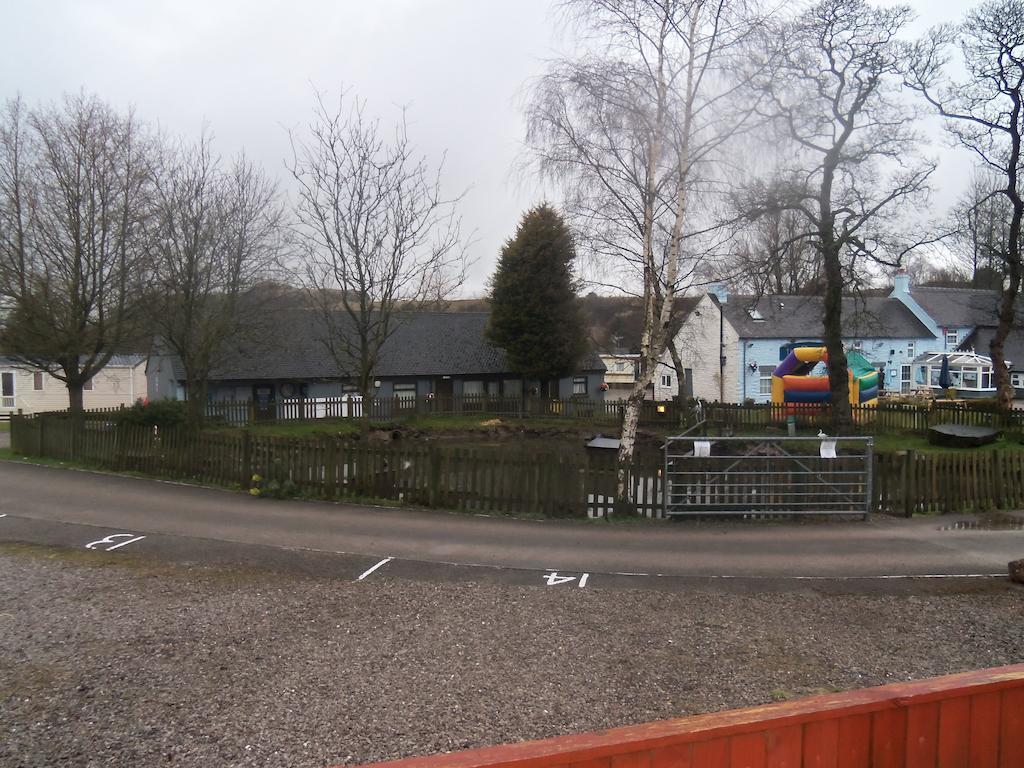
[[25, 389], [439, 353]]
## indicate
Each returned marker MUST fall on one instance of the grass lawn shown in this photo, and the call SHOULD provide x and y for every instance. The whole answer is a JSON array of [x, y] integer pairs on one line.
[[910, 442]]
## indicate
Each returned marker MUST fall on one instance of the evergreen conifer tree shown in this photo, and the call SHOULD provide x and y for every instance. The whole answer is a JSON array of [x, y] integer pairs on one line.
[[535, 313]]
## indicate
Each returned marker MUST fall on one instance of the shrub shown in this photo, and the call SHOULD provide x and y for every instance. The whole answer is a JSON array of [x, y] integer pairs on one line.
[[154, 413]]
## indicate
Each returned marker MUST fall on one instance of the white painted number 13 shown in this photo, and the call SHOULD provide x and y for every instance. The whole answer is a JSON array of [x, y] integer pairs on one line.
[[131, 539]]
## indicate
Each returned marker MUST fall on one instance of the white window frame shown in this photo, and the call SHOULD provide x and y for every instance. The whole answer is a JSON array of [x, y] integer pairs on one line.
[[40, 377], [1017, 380], [406, 390], [911, 349], [7, 401], [764, 382], [666, 380], [952, 338], [579, 385]]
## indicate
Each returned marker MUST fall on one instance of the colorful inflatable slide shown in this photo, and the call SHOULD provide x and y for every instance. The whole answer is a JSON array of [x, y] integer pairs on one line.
[[791, 382]]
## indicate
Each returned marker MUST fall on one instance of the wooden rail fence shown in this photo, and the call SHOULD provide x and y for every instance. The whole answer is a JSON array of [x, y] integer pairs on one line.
[[974, 719]]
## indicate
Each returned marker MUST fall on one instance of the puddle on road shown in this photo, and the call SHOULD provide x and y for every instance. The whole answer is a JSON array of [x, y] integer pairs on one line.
[[994, 523]]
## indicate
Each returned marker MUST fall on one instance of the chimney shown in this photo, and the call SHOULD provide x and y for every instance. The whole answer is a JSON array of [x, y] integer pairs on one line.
[[901, 283]]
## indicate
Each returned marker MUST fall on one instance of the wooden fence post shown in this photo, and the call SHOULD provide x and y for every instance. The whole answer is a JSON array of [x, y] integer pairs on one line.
[[246, 479], [909, 490]]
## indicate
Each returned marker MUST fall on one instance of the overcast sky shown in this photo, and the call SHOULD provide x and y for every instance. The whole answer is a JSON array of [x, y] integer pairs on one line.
[[248, 69]]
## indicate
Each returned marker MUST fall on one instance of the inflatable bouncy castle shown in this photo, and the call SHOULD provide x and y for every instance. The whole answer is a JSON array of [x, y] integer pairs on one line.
[[792, 382]]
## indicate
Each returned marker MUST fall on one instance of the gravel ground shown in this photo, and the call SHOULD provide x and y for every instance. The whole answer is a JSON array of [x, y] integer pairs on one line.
[[110, 661]]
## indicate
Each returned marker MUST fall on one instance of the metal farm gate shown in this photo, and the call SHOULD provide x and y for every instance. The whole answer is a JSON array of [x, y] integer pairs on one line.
[[768, 475]]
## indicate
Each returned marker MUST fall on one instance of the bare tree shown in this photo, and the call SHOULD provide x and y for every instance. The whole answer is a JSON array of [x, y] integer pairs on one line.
[[832, 79], [379, 239], [984, 111], [775, 257], [215, 241], [74, 203], [981, 220], [631, 129]]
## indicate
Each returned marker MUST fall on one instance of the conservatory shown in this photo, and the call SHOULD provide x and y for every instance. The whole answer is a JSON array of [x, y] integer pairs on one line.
[[970, 374]]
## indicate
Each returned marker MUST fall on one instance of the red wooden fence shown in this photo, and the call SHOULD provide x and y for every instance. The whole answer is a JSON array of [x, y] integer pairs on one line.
[[973, 719]]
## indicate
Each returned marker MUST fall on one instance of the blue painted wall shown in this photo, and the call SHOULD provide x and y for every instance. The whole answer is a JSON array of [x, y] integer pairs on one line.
[[888, 354]]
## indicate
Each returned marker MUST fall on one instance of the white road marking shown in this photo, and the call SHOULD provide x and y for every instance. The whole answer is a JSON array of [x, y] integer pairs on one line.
[[368, 571], [787, 578], [583, 580], [124, 543], [553, 579], [132, 538], [4, 515]]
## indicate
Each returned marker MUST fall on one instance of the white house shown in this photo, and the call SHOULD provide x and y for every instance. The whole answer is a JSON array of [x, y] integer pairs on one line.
[[26, 390]]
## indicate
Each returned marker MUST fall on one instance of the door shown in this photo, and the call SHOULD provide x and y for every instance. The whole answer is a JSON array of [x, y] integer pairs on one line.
[[905, 379], [263, 400]]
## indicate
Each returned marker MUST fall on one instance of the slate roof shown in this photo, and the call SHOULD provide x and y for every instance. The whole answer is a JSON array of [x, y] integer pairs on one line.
[[797, 317], [616, 322], [424, 344], [958, 307], [1013, 348]]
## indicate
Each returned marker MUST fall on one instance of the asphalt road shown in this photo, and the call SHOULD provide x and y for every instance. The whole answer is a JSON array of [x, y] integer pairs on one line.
[[47, 505]]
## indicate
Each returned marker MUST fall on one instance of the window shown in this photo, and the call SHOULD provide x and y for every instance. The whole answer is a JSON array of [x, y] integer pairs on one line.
[[666, 380], [934, 376], [493, 388], [858, 344], [1017, 380], [765, 379], [37, 381], [87, 387], [405, 388], [620, 366], [579, 385], [472, 387], [7, 389], [951, 338], [986, 378], [970, 378], [911, 348]]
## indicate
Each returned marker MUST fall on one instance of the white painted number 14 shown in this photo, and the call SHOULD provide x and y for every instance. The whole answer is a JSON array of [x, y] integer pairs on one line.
[[553, 579]]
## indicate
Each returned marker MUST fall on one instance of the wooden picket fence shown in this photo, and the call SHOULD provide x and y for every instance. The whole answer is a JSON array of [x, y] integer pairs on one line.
[[499, 480], [476, 479], [884, 418], [389, 409], [910, 482], [971, 719]]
